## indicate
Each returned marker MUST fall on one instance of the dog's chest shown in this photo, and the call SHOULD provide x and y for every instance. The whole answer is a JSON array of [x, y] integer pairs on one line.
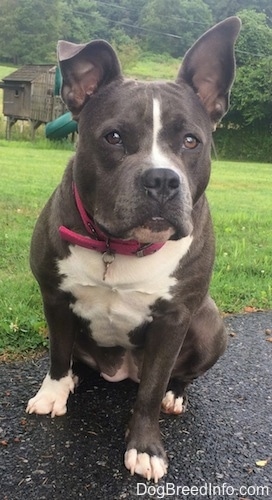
[[121, 303]]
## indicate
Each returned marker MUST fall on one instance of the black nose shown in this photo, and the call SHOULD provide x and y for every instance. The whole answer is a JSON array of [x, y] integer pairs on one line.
[[162, 184]]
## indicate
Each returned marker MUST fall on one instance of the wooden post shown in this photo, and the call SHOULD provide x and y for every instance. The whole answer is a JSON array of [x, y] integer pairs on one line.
[[34, 124], [10, 122]]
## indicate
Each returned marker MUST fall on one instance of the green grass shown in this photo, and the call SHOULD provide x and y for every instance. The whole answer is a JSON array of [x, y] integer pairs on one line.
[[152, 67], [28, 176], [6, 70], [241, 203]]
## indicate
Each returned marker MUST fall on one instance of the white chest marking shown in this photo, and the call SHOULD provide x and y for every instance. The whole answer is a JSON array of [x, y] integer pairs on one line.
[[158, 157], [122, 302]]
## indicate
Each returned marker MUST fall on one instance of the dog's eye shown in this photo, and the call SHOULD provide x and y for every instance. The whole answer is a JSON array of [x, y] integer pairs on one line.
[[190, 142], [114, 138]]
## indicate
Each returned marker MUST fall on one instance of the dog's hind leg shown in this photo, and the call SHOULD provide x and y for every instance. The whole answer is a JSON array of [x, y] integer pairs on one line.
[[175, 399], [205, 342]]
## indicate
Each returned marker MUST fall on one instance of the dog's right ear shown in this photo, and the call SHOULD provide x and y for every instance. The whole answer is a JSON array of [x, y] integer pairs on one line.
[[84, 68]]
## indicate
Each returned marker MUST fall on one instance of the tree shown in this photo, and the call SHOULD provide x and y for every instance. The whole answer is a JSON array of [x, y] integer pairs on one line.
[[225, 8], [251, 102], [255, 40], [29, 30], [252, 95], [9, 36], [123, 15], [81, 21], [173, 26]]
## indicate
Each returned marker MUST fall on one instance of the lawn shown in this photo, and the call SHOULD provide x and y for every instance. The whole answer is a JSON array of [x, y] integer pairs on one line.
[[241, 205], [151, 67], [6, 70]]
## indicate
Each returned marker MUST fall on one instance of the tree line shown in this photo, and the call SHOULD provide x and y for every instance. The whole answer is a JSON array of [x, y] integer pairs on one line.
[[30, 29]]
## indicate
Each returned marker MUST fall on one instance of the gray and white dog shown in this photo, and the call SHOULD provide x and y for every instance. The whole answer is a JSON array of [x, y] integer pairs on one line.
[[123, 250]]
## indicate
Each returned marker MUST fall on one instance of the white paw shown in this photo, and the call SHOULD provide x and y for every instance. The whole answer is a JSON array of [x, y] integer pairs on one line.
[[52, 396], [173, 405], [145, 465]]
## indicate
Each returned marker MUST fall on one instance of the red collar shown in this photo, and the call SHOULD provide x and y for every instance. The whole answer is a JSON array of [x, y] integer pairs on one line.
[[101, 242]]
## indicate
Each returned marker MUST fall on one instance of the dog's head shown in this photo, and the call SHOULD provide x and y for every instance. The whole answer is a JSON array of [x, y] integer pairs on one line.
[[143, 156]]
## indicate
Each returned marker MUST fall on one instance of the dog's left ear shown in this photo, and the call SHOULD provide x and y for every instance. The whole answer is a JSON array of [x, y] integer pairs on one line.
[[209, 67], [84, 68]]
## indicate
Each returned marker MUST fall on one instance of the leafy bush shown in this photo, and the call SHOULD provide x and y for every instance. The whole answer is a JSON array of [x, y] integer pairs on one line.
[[247, 144]]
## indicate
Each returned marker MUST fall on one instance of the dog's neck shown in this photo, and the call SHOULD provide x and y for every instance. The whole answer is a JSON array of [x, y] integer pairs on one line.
[[99, 241]]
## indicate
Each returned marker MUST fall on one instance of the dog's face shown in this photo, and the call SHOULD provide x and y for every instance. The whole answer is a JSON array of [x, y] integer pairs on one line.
[[145, 148], [143, 157]]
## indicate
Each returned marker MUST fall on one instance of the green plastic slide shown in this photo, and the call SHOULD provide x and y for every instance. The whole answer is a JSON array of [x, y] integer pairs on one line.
[[61, 127]]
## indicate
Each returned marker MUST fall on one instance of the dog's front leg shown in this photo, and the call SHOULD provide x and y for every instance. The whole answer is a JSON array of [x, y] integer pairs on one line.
[[145, 454], [59, 381]]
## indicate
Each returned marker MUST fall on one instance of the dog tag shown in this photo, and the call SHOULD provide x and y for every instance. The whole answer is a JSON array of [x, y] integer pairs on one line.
[[108, 258]]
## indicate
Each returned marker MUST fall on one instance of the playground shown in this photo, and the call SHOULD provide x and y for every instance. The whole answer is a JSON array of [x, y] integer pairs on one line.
[[32, 94]]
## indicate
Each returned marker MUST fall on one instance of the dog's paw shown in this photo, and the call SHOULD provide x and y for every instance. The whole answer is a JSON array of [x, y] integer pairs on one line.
[[52, 396], [173, 405], [150, 467]]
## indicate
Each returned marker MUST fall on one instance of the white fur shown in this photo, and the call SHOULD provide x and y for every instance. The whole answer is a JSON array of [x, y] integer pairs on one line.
[[122, 302], [158, 157], [149, 467], [52, 396], [171, 404]]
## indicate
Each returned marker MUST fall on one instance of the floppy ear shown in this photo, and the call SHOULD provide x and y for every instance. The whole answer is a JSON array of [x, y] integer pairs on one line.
[[84, 68], [209, 67]]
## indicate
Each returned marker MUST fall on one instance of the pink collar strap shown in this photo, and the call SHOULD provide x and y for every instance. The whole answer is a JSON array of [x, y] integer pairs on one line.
[[101, 242]]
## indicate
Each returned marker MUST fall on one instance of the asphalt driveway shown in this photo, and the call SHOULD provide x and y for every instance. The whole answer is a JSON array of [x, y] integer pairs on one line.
[[220, 449]]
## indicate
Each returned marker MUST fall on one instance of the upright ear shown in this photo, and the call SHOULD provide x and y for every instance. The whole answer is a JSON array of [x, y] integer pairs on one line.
[[209, 67], [84, 68]]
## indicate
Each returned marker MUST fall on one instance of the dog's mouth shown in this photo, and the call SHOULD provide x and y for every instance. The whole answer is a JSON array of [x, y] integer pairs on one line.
[[154, 230]]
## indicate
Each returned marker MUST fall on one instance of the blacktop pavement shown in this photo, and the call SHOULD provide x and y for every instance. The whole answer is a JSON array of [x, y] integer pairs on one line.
[[220, 449]]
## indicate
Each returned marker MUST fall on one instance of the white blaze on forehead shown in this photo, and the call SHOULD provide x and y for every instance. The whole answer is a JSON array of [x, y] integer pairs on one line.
[[158, 157], [157, 125]]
